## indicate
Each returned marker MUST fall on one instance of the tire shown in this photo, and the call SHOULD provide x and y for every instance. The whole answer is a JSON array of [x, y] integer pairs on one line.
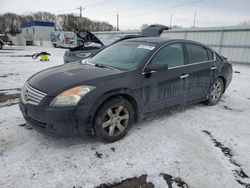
[[113, 119], [215, 92], [1, 46]]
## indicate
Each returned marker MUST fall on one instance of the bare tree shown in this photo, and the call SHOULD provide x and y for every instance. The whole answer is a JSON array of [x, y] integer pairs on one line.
[[44, 16], [10, 23]]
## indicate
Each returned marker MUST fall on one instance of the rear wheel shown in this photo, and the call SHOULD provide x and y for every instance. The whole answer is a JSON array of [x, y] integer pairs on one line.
[[1, 46], [215, 92], [114, 119]]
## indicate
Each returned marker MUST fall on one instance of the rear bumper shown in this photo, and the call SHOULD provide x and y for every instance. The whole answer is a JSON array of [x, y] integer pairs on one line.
[[56, 122]]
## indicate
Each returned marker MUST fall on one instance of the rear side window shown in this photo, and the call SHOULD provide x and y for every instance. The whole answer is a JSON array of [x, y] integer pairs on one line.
[[210, 55], [172, 55], [196, 53], [218, 58]]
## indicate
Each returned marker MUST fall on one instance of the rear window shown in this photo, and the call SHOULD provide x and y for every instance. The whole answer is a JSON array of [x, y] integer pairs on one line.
[[196, 53]]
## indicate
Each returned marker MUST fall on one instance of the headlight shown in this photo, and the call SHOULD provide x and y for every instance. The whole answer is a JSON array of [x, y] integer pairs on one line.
[[72, 96]]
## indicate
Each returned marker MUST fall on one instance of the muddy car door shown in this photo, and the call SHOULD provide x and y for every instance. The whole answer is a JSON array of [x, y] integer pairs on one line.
[[165, 87], [200, 69]]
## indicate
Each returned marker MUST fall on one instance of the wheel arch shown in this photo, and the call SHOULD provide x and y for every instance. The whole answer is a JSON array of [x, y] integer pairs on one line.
[[224, 82], [124, 93]]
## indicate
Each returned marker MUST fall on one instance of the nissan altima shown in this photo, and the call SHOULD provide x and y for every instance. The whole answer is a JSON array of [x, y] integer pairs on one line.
[[106, 94]]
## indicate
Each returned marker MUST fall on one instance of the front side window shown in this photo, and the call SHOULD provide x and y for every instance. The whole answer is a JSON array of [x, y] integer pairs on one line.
[[196, 53], [123, 55], [172, 55]]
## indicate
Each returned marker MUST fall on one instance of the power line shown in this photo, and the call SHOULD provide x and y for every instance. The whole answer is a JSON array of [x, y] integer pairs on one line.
[[136, 7], [59, 11], [80, 8], [96, 3], [88, 5], [163, 9]]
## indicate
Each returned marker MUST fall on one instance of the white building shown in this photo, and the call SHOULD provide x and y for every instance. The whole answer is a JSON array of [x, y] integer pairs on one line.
[[35, 33]]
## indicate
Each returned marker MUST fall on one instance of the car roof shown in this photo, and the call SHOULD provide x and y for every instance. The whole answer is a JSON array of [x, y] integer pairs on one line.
[[154, 40], [162, 40]]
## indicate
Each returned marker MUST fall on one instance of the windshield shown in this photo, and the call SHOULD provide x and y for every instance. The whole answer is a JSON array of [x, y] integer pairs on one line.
[[123, 55]]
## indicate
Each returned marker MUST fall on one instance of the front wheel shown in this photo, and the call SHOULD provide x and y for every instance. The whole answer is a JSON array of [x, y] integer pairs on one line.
[[215, 92], [1, 46], [114, 119]]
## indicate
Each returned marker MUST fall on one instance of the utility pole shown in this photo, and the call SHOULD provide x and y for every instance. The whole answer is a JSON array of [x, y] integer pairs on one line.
[[80, 8], [171, 17], [194, 19], [117, 22]]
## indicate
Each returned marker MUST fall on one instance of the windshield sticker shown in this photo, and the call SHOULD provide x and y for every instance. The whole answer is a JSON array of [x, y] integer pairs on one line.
[[146, 47]]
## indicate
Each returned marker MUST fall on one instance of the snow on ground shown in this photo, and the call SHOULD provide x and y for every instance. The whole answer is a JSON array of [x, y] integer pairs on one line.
[[171, 143]]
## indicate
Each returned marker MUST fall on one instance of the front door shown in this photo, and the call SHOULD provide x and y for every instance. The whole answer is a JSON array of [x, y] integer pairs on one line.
[[166, 88]]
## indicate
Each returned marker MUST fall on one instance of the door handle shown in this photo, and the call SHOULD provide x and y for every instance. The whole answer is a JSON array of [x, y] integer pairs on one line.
[[213, 68], [184, 76]]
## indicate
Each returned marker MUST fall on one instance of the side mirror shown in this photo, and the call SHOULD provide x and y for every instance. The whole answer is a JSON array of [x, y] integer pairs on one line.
[[155, 68]]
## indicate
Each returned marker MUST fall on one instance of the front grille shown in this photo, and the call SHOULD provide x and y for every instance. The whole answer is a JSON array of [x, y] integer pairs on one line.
[[31, 95]]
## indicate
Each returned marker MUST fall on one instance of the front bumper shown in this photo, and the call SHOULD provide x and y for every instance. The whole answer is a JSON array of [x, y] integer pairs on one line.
[[57, 122]]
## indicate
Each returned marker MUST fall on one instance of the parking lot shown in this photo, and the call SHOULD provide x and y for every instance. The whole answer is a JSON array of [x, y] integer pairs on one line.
[[188, 146]]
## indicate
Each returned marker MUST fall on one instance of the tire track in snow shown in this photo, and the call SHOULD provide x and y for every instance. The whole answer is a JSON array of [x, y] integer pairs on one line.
[[142, 182], [9, 97], [240, 176]]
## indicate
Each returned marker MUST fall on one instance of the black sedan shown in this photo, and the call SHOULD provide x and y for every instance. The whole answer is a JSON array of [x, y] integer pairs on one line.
[[106, 94]]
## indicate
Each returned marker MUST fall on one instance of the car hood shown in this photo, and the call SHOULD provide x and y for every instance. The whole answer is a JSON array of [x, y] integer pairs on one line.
[[87, 37], [57, 79]]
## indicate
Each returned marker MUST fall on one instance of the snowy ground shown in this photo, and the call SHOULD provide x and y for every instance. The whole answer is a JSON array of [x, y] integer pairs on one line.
[[196, 146]]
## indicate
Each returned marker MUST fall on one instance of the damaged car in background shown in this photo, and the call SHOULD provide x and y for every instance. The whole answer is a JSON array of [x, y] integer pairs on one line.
[[90, 44], [4, 40], [104, 95]]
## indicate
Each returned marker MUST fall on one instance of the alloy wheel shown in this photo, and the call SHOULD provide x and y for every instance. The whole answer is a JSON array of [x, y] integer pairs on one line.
[[217, 90], [115, 120]]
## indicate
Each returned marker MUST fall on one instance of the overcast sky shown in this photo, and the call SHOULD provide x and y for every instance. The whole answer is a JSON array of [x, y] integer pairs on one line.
[[134, 13]]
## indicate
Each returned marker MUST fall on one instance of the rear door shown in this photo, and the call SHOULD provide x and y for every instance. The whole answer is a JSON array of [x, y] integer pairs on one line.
[[200, 69], [166, 88]]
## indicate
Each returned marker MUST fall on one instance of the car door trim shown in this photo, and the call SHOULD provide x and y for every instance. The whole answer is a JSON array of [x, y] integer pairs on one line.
[[214, 68], [184, 76]]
